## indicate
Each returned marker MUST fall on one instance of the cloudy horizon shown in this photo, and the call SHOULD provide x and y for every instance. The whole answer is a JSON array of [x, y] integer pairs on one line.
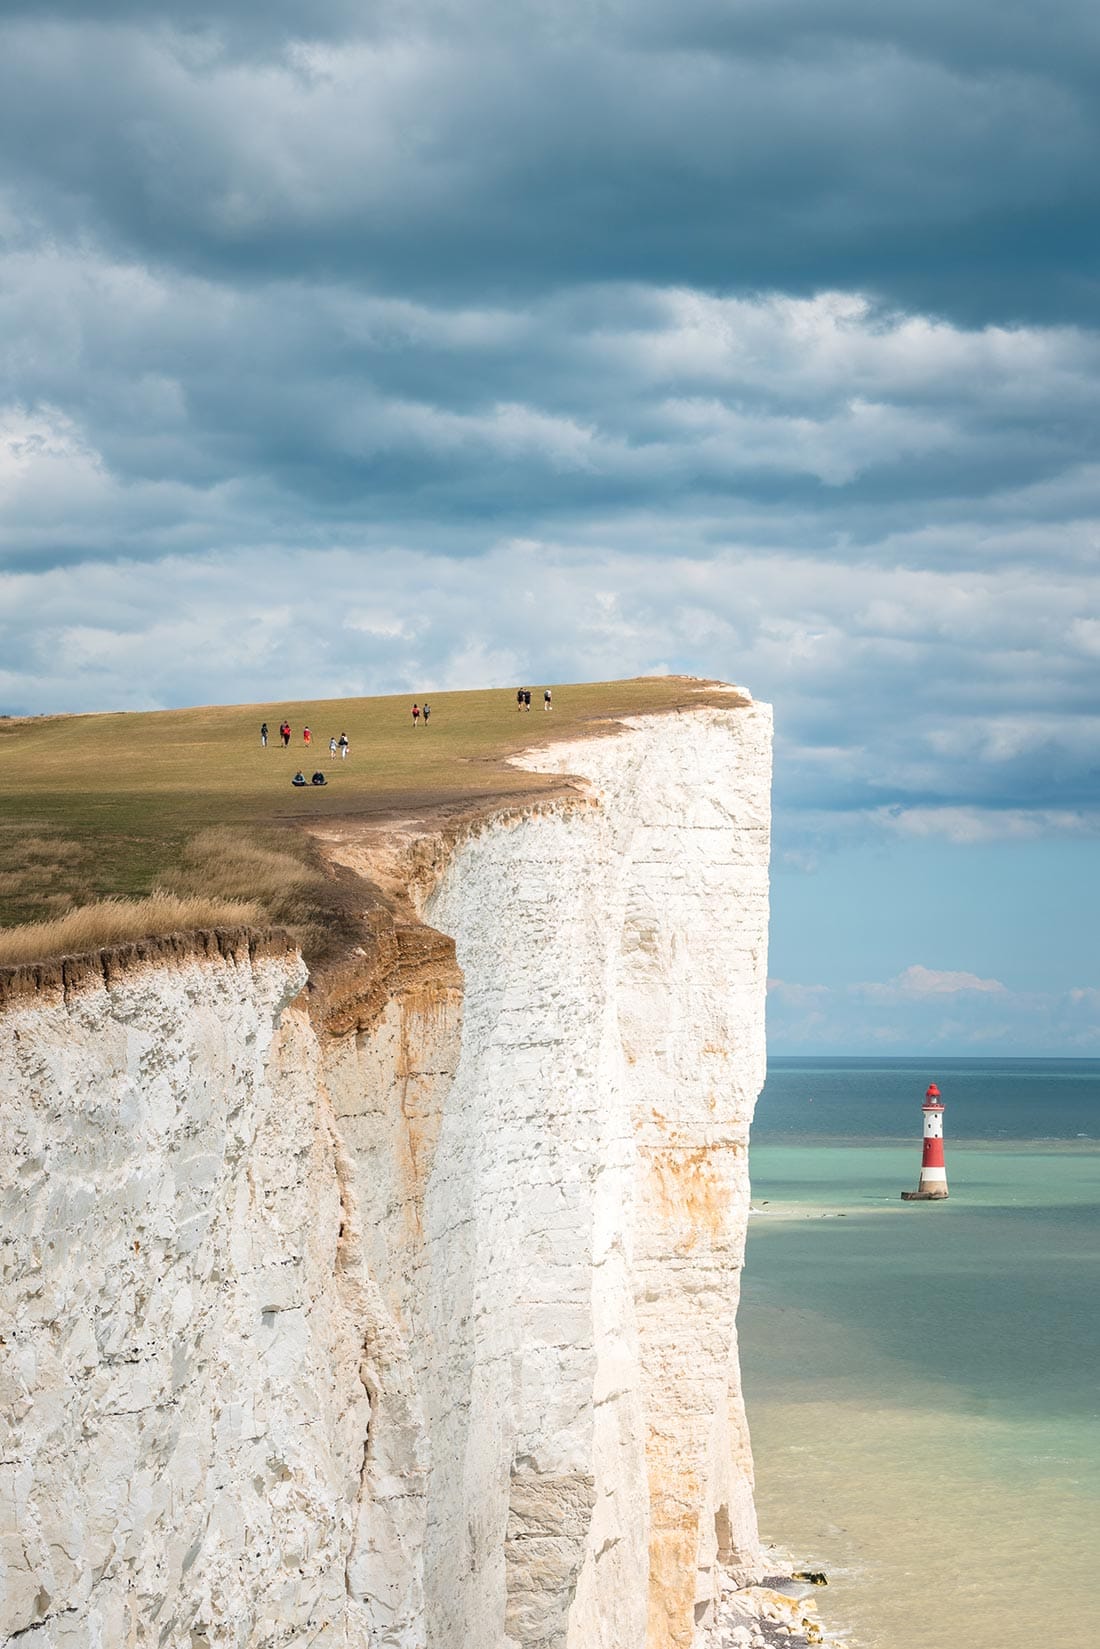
[[402, 347]]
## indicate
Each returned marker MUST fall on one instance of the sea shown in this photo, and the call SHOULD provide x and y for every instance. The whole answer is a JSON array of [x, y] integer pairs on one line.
[[923, 1379]]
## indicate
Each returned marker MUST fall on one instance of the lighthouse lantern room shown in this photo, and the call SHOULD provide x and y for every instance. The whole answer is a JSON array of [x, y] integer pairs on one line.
[[933, 1171]]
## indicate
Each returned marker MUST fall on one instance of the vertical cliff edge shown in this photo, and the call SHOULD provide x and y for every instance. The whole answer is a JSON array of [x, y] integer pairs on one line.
[[397, 1308]]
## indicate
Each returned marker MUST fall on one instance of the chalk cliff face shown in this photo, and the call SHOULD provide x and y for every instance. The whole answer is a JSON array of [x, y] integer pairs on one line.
[[401, 1312]]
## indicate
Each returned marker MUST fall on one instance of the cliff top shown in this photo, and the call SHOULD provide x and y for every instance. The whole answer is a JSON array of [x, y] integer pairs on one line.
[[118, 805]]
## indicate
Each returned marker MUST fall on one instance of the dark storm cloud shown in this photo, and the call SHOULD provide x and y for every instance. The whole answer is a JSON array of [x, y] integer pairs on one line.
[[159, 408], [515, 148]]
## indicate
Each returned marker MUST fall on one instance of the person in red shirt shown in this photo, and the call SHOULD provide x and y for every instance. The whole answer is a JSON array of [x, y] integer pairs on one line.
[[416, 715], [307, 736]]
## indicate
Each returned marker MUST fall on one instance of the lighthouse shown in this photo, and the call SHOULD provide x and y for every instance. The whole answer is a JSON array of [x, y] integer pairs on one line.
[[933, 1173]]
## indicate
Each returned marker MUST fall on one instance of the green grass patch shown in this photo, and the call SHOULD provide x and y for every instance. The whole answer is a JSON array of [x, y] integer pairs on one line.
[[119, 806]]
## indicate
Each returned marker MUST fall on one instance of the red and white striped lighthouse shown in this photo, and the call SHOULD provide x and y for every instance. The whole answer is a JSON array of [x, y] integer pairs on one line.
[[933, 1170]]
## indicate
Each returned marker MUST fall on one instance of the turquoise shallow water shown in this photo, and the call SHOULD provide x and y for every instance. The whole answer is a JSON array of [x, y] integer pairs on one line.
[[923, 1380]]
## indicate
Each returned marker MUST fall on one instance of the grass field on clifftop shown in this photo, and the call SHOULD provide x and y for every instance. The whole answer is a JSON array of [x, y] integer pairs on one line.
[[110, 806]]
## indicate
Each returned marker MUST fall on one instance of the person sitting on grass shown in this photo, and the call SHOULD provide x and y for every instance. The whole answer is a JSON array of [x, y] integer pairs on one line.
[[299, 778], [318, 778]]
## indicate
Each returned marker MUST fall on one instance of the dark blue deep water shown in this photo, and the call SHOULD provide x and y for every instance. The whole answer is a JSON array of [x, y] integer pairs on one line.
[[880, 1099]]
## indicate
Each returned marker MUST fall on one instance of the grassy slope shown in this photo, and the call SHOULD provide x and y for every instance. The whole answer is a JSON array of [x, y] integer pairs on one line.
[[108, 805]]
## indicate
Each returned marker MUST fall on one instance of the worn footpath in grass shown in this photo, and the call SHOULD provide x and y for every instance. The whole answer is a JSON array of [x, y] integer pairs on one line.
[[109, 806]]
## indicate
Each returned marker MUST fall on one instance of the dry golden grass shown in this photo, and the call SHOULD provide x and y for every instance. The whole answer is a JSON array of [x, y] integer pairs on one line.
[[47, 850], [278, 870], [232, 863], [119, 921], [16, 881], [42, 872]]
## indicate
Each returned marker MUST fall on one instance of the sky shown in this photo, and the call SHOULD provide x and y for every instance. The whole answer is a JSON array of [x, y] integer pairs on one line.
[[351, 348]]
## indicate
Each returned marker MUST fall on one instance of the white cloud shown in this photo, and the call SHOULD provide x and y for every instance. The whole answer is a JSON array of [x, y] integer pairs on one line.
[[385, 626], [795, 995], [969, 826], [918, 983], [925, 1008], [42, 456], [839, 344]]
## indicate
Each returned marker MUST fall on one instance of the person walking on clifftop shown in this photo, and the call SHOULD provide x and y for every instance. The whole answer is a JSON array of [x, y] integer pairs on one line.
[[263, 734]]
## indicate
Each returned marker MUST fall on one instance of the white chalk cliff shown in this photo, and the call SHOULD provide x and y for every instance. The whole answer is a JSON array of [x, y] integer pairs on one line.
[[399, 1313]]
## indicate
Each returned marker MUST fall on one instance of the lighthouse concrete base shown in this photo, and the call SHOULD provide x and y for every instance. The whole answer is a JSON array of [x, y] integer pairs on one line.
[[924, 1196]]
